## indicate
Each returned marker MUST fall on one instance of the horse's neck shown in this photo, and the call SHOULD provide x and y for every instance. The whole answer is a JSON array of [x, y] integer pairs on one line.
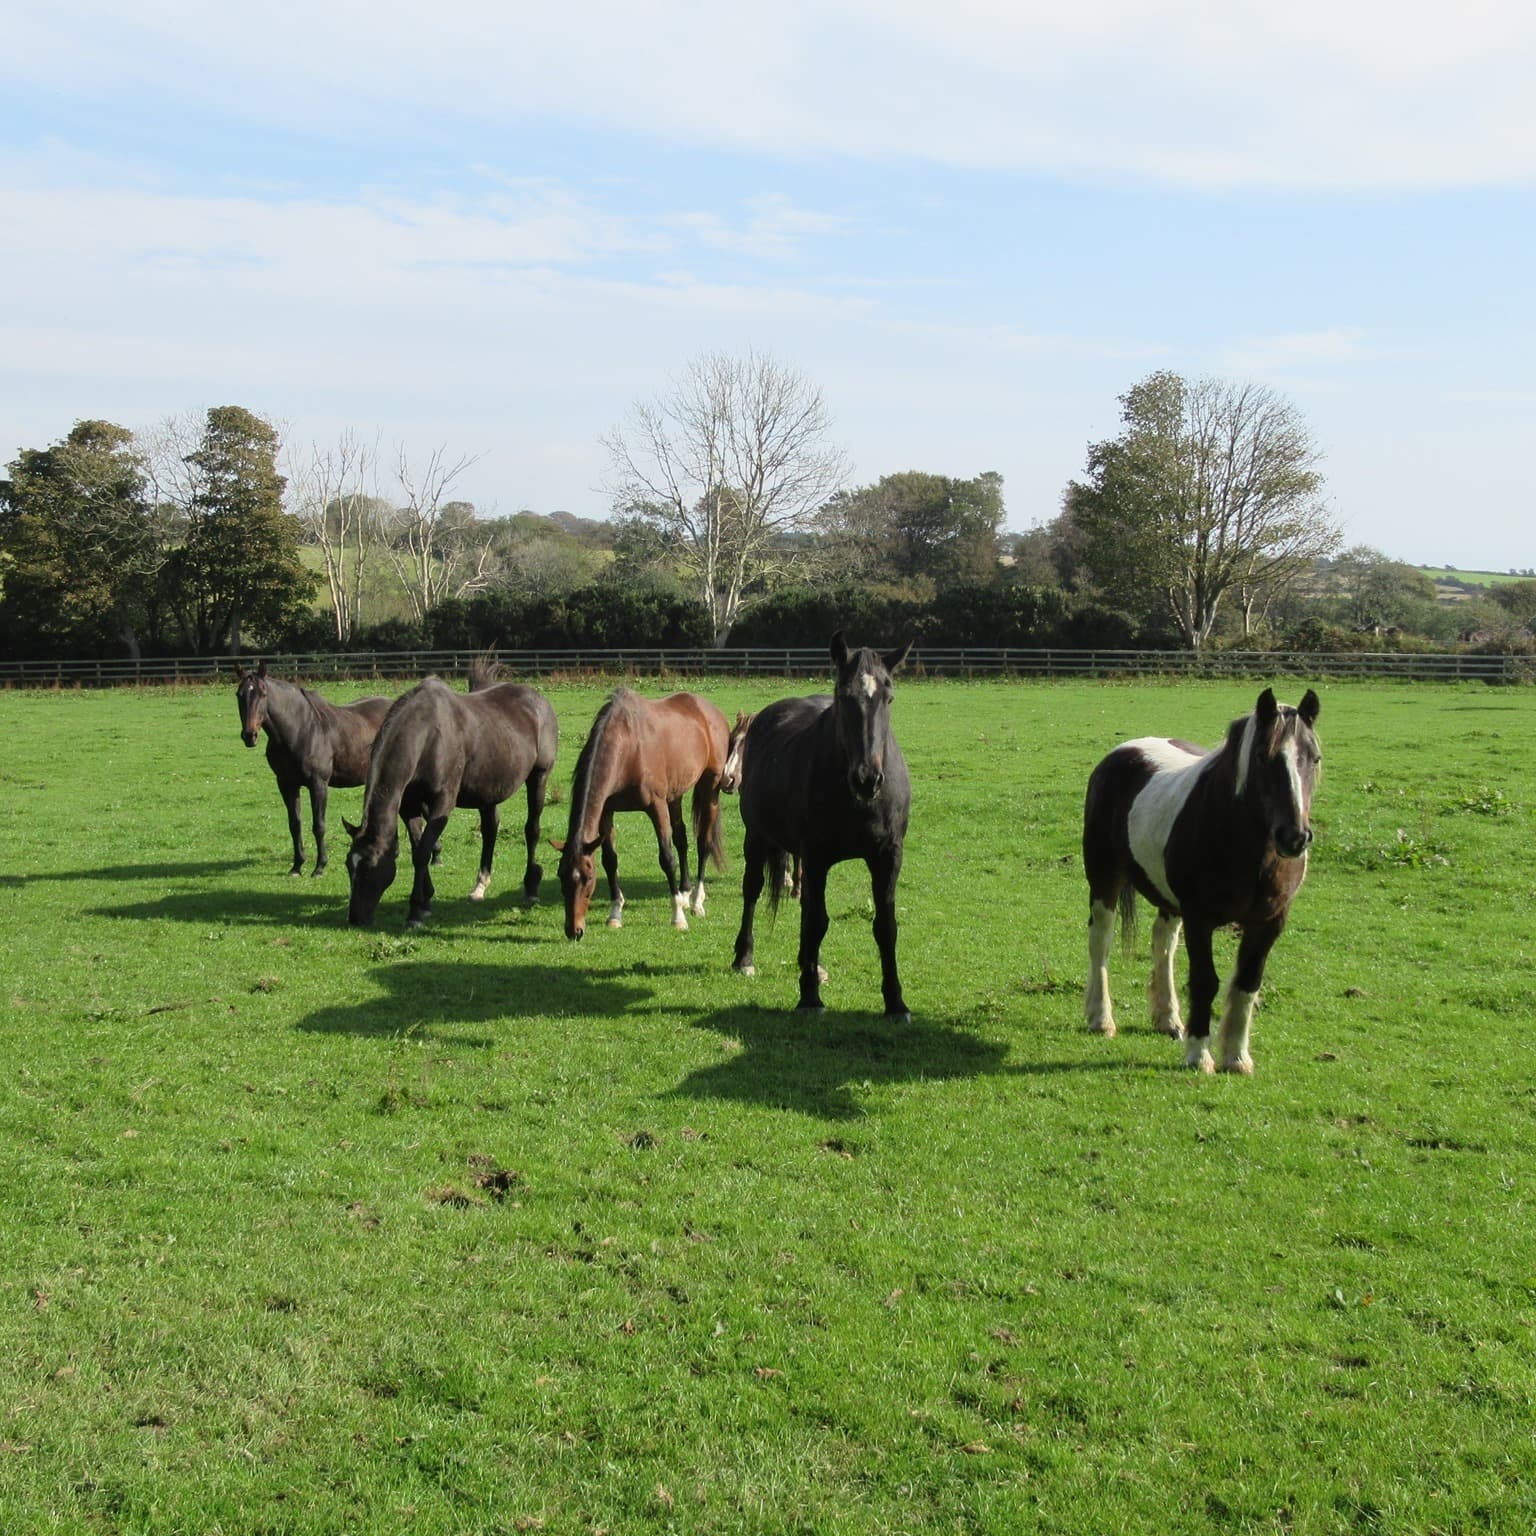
[[594, 778], [389, 772], [287, 707]]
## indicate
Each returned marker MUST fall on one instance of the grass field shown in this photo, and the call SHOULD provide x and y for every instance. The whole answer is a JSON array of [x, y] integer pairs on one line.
[[471, 1230]]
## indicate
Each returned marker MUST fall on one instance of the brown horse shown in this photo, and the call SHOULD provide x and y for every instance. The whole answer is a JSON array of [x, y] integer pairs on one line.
[[438, 749], [1210, 839], [644, 755], [311, 744]]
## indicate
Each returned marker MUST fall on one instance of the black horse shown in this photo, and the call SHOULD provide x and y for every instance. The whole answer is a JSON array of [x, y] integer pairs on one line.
[[823, 780], [437, 749], [1210, 839], [311, 743]]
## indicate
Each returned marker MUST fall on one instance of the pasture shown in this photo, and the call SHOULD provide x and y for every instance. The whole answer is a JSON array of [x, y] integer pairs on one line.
[[471, 1229]]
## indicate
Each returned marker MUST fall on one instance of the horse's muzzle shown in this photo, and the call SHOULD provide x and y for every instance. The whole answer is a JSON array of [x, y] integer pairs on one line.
[[1293, 841], [865, 783], [250, 738]]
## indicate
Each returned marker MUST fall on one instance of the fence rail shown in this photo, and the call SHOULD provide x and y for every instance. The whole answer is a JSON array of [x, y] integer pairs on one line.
[[935, 661]]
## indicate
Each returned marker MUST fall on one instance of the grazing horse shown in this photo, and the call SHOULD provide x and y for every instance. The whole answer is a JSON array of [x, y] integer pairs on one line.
[[823, 780], [1210, 839], [437, 749], [730, 782], [310, 743], [644, 755]]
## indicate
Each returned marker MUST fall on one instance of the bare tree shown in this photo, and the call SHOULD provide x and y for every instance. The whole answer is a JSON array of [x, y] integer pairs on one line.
[[333, 493], [1212, 487], [435, 545], [727, 466]]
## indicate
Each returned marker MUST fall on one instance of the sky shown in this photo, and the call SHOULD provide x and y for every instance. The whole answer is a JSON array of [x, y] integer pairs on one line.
[[492, 226]]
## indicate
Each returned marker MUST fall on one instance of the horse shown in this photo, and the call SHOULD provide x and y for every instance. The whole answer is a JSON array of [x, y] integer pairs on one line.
[[310, 742], [824, 780], [644, 755], [437, 749], [1210, 839], [730, 782]]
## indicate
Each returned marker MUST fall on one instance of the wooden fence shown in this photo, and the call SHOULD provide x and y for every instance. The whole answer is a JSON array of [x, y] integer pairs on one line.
[[765, 661]]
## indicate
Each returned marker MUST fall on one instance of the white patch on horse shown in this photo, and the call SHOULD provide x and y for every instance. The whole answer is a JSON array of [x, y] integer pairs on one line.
[[1175, 772], [869, 685], [1101, 935], [481, 886], [616, 913], [1291, 756], [696, 905], [680, 910], [1162, 989], [1244, 752], [1232, 1036]]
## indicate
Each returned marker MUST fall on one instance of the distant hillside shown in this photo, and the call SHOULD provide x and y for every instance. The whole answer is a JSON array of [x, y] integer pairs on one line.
[[1449, 576]]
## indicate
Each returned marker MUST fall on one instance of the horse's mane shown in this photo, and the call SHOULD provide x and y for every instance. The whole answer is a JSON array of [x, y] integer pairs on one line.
[[620, 702]]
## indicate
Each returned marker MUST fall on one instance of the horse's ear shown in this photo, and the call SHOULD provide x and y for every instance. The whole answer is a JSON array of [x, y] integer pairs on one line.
[[239, 672], [558, 844], [839, 648], [352, 831], [261, 669], [590, 848], [1267, 708], [1309, 708], [894, 659]]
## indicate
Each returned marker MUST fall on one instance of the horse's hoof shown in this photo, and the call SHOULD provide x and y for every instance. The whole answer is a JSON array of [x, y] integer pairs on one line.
[[478, 894], [1243, 1066], [317, 871], [1105, 1027], [293, 874], [745, 970], [1168, 1024], [811, 1008], [1201, 1061], [898, 1015], [615, 922]]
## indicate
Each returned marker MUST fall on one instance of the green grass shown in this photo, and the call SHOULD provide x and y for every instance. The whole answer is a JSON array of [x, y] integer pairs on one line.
[[309, 1229], [1472, 578]]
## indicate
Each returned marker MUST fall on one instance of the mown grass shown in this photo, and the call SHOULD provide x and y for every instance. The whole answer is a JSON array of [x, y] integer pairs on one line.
[[309, 1229]]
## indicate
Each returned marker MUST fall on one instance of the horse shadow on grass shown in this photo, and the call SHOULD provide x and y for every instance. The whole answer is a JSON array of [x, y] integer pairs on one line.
[[821, 1063], [424, 997], [192, 869]]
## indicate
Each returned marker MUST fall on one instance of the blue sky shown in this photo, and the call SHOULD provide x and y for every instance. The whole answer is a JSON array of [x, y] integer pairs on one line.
[[494, 227]]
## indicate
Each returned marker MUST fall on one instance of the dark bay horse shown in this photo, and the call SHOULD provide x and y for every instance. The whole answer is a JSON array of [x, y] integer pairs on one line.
[[823, 780], [644, 755], [1210, 839], [311, 744], [437, 749]]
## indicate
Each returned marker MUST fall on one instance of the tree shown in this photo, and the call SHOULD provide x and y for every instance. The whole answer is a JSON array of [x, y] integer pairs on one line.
[[1379, 593], [80, 541], [332, 494], [238, 564], [918, 525], [727, 468], [436, 545], [1517, 599], [1211, 488]]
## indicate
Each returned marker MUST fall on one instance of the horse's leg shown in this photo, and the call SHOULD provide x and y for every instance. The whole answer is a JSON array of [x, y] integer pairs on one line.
[[1101, 938], [490, 824], [319, 790], [755, 857], [425, 833], [533, 872], [611, 869], [680, 844], [1203, 986], [666, 855], [289, 790], [1162, 989], [1242, 993], [883, 873], [813, 929]]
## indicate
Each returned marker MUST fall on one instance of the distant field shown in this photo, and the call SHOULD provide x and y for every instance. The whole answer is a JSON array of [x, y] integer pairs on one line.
[[1472, 578], [310, 1229]]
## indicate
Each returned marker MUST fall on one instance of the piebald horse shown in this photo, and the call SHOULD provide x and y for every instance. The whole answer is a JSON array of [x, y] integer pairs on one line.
[[437, 749], [311, 744], [1210, 839], [823, 780], [644, 755]]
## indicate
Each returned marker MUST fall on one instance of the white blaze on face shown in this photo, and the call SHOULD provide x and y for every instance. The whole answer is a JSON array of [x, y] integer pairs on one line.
[[869, 685], [1175, 772]]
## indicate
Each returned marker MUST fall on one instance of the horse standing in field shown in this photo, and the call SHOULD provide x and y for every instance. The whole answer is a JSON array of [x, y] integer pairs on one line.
[[1210, 839], [730, 782], [823, 780], [437, 749], [645, 755], [311, 743]]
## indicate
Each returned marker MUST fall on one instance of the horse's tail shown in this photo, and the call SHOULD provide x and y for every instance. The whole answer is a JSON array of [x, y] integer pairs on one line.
[[707, 836], [1128, 918], [778, 878]]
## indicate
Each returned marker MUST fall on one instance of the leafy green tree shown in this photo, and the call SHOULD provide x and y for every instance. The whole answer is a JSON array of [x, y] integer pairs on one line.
[[80, 542], [238, 566], [1517, 599], [1211, 489], [919, 526], [1378, 593]]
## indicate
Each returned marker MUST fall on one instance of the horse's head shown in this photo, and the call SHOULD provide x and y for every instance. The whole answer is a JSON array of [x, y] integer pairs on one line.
[[370, 870], [1278, 768], [730, 774], [861, 708], [578, 879], [251, 701]]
